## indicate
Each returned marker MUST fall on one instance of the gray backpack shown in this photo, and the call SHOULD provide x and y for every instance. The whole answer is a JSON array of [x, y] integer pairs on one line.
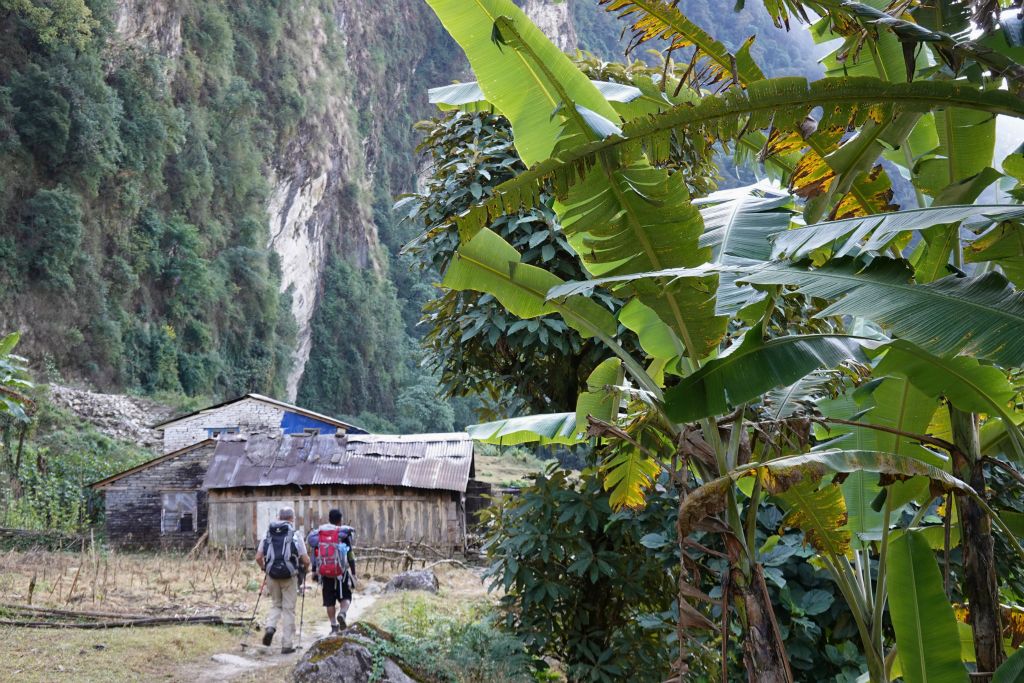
[[281, 554]]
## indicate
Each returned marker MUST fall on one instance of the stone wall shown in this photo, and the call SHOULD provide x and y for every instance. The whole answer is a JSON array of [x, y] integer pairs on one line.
[[134, 502], [249, 415]]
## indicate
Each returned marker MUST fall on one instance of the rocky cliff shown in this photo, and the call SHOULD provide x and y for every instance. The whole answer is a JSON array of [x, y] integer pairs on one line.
[[166, 169]]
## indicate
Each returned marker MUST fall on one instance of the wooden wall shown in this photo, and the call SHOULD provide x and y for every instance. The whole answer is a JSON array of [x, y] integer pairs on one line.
[[134, 502], [380, 515]]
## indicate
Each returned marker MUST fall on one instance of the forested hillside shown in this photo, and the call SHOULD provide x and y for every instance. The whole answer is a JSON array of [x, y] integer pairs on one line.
[[196, 199]]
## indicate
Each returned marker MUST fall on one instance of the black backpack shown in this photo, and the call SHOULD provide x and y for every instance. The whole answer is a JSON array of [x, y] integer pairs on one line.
[[281, 554]]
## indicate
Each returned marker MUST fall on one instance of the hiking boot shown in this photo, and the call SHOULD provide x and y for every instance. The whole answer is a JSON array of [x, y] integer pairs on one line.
[[287, 650], [342, 625], [334, 629], [268, 635]]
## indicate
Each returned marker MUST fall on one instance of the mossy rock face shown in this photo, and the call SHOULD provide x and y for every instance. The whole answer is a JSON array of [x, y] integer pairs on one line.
[[350, 657]]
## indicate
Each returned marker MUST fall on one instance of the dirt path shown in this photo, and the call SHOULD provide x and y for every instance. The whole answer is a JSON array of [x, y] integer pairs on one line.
[[227, 666]]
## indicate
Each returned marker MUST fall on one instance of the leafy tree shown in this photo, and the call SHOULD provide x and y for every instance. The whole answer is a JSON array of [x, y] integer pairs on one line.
[[50, 233], [476, 345], [579, 583], [43, 115]]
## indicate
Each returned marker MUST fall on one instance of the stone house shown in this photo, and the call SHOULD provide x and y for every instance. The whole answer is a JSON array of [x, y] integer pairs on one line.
[[246, 415], [160, 503]]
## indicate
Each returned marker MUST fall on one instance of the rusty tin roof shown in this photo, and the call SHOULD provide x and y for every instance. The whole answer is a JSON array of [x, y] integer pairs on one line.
[[424, 461]]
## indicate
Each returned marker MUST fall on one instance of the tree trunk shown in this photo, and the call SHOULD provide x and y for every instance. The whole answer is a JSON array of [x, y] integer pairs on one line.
[[764, 656], [980, 585]]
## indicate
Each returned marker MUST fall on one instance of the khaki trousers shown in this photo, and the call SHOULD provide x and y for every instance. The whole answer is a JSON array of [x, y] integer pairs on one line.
[[283, 593]]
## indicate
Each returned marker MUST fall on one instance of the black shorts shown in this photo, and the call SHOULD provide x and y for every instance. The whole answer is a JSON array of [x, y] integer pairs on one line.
[[331, 590]]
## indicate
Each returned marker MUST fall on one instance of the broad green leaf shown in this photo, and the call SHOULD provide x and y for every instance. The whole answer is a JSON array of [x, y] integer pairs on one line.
[[637, 219], [927, 640], [934, 535], [966, 383], [525, 94], [549, 428], [872, 233], [859, 490], [627, 218], [966, 144], [782, 103], [598, 401], [656, 338], [1002, 245], [1012, 670], [749, 369], [737, 227], [8, 343], [487, 263], [982, 315]]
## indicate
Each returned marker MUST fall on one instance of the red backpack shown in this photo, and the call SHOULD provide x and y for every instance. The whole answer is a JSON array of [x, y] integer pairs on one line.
[[331, 554]]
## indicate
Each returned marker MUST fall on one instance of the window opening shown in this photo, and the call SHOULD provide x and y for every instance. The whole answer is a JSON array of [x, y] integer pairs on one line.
[[178, 512]]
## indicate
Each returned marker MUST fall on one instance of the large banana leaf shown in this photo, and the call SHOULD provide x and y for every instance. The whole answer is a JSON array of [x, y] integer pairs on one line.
[[782, 104], [1002, 245], [662, 20], [487, 263], [927, 640], [563, 428], [751, 368], [469, 96], [982, 315], [656, 338], [639, 218], [819, 512], [1012, 670], [737, 227], [601, 399], [628, 217], [509, 80], [546, 428], [893, 403], [872, 233], [963, 381]]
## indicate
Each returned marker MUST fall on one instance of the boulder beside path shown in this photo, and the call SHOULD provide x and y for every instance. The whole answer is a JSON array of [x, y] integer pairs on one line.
[[349, 656], [422, 580]]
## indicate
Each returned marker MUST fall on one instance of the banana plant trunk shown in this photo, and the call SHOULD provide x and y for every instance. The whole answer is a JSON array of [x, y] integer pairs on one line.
[[764, 655], [980, 585]]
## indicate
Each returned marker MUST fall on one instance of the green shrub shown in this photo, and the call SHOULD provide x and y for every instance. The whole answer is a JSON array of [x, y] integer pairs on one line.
[[460, 644], [50, 234]]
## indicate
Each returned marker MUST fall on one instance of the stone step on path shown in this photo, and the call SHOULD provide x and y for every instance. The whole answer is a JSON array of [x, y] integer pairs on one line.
[[226, 666]]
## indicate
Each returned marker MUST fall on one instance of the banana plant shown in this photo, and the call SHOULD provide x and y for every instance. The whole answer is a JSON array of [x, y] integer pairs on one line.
[[695, 405]]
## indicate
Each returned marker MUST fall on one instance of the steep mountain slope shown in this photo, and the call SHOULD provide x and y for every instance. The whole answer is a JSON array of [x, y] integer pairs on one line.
[[195, 197]]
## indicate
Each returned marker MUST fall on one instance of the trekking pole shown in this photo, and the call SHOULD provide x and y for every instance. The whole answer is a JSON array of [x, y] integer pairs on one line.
[[302, 608], [248, 629]]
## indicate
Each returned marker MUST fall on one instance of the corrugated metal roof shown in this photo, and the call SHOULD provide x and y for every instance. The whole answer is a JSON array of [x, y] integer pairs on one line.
[[425, 461]]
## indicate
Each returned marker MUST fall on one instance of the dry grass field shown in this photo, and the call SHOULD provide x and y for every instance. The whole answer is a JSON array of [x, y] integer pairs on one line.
[[207, 583]]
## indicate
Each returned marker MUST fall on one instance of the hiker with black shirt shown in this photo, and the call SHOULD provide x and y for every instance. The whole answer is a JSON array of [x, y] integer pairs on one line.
[[282, 555], [335, 566]]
